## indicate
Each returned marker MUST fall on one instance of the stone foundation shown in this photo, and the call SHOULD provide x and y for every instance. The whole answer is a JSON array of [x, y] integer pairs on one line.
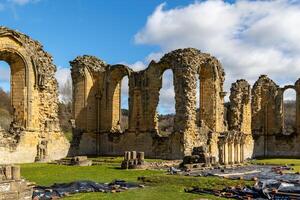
[[12, 187]]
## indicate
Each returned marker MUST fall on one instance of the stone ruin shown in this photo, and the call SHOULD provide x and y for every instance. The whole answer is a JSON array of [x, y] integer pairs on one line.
[[250, 125], [96, 109], [34, 132], [133, 160], [12, 187], [271, 139]]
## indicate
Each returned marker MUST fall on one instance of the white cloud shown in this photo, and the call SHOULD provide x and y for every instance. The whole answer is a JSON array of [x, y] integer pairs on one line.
[[62, 75], [124, 93], [167, 94], [137, 66], [248, 37]]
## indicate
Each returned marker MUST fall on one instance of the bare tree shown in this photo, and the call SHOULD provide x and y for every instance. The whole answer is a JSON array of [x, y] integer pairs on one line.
[[65, 91]]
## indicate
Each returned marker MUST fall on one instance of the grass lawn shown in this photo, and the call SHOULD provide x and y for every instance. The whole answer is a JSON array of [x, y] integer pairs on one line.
[[295, 163], [159, 185]]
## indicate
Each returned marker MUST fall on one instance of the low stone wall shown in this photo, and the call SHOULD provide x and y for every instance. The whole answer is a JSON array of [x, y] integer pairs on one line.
[[115, 144], [277, 146], [25, 150]]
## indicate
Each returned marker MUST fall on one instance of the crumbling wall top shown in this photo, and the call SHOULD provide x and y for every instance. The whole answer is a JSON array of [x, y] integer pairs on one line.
[[42, 61], [191, 57], [92, 63]]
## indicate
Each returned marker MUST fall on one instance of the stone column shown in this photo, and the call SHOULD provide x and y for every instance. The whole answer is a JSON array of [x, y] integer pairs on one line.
[[237, 153], [231, 153], [221, 152], [225, 153], [241, 152]]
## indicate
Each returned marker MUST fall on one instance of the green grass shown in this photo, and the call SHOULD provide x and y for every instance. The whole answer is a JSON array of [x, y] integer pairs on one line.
[[295, 163], [158, 184]]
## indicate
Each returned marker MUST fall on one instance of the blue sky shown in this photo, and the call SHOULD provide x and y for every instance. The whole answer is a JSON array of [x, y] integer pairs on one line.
[[248, 37], [68, 28]]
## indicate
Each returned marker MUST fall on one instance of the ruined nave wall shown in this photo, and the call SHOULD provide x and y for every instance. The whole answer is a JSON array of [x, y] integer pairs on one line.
[[268, 120]]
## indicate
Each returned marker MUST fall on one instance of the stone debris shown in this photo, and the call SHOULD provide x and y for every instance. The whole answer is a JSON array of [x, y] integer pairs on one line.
[[268, 189], [81, 161], [75, 161], [12, 186], [61, 190]]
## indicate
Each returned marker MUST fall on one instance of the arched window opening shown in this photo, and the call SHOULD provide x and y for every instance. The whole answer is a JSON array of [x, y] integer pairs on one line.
[[6, 111], [166, 104], [198, 101], [124, 104], [289, 111], [226, 114]]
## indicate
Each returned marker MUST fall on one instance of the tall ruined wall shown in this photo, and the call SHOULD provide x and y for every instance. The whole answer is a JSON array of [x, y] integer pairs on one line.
[[267, 120], [86, 76], [240, 115], [34, 100], [266, 107], [240, 107], [297, 88], [144, 86]]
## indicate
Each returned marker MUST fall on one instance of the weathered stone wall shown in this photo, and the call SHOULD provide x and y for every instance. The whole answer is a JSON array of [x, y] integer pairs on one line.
[[34, 101], [240, 135], [267, 120], [144, 86]]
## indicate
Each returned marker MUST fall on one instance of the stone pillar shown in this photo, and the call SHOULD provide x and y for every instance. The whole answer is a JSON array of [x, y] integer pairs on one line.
[[237, 153], [141, 156], [16, 175], [127, 155], [241, 152], [221, 152], [133, 155], [226, 153], [8, 172], [231, 152]]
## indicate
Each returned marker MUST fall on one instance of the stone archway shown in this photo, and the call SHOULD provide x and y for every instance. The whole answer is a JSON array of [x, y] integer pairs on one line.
[[116, 74], [288, 111], [34, 100], [19, 85]]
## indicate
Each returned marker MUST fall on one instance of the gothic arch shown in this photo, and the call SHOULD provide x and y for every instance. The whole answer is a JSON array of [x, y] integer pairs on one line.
[[34, 92], [116, 74]]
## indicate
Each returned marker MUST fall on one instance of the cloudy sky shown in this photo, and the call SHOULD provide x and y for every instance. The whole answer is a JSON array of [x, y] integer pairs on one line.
[[249, 37]]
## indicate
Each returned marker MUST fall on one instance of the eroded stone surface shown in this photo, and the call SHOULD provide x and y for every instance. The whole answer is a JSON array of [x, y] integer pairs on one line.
[[253, 125], [34, 101], [268, 120], [97, 106]]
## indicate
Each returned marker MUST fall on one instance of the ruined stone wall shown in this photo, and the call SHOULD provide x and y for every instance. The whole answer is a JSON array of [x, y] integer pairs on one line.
[[267, 120], [239, 122], [144, 86], [34, 100]]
